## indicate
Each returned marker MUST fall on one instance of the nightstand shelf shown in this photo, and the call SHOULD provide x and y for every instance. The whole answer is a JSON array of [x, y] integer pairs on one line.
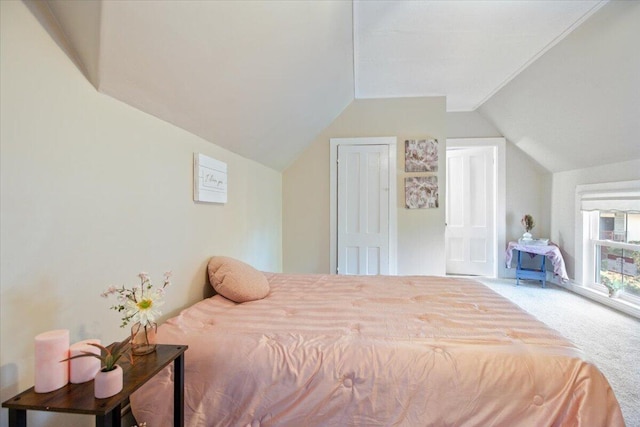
[[531, 273], [79, 398]]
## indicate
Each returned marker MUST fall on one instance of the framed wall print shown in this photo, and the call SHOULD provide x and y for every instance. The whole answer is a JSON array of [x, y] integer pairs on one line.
[[421, 155], [209, 179], [421, 192]]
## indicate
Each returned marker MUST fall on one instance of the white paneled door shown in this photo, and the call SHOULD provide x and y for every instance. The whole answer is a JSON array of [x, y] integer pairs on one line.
[[363, 209], [470, 211]]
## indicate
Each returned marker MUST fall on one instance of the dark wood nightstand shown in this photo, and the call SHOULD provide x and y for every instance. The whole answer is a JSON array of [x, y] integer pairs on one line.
[[79, 398]]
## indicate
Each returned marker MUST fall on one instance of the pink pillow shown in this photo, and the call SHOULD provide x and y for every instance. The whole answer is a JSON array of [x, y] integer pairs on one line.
[[237, 281]]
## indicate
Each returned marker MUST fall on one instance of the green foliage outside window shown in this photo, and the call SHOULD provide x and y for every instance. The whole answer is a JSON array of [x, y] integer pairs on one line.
[[615, 280]]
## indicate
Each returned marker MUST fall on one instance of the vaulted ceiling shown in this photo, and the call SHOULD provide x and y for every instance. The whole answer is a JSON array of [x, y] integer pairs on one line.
[[464, 50], [263, 78]]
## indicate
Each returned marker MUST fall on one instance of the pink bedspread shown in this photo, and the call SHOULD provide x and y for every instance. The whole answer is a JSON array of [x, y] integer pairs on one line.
[[375, 351]]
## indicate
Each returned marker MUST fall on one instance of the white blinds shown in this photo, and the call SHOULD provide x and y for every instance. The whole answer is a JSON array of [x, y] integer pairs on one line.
[[613, 201]]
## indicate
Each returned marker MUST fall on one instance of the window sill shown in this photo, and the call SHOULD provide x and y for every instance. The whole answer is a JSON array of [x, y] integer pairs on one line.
[[616, 303]]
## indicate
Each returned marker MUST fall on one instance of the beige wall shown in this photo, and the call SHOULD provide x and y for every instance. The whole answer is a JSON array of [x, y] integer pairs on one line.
[[420, 232], [306, 187], [528, 191], [563, 209], [93, 192]]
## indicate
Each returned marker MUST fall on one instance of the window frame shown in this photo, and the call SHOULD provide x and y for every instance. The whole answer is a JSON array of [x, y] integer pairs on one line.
[[585, 249], [591, 261]]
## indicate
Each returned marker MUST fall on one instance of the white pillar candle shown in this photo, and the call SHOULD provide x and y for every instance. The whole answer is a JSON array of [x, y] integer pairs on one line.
[[50, 349], [83, 369]]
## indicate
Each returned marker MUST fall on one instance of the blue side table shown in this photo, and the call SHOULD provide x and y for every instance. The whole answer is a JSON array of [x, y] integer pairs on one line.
[[550, 250], [530, 273]]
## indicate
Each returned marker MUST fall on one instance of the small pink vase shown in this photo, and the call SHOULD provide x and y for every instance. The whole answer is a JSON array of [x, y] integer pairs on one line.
[[107, 384]]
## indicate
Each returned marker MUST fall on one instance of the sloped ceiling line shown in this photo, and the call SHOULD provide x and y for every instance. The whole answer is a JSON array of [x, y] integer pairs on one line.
[[263, 79]]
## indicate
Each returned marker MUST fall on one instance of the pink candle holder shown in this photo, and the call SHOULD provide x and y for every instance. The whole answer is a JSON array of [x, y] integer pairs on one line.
[[51, 373], [83, 369]]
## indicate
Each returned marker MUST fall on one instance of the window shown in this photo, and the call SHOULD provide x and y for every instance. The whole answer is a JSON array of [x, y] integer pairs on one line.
[[617, 252], [611, 239]]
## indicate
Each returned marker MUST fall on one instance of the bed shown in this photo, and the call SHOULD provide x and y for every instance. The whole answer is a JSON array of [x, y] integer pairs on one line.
[[326, 350]]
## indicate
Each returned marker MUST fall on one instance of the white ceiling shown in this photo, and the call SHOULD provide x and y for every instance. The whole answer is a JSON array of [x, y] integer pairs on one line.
[[263, 78], [464, 50], [260, 78], [578, 106]]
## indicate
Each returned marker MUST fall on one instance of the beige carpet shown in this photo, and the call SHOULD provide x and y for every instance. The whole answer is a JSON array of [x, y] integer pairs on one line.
[[610, 339]]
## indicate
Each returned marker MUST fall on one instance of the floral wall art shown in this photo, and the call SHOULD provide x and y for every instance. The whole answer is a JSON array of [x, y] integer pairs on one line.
[[421, 155], [421, 192]]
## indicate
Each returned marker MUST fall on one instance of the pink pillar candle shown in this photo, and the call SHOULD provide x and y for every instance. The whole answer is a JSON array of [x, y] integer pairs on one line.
[[50, 349], [83, 369]]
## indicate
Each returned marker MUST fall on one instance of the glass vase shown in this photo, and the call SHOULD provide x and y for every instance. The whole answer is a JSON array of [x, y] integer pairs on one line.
[[143, 338]]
